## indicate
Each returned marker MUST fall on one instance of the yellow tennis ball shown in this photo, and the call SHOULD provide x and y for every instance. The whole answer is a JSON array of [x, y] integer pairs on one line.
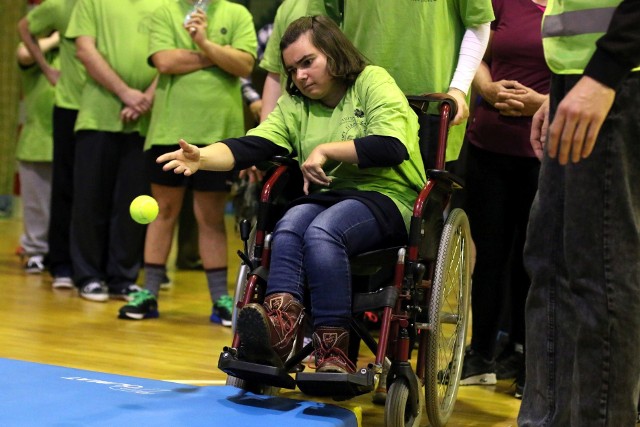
[[143, 209]]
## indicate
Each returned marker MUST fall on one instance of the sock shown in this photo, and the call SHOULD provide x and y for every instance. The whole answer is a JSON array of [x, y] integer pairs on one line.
[[217, 281], [154, 275]]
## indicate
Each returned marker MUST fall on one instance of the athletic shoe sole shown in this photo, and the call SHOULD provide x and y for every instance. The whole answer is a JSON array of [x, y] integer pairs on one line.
[[95, 297], [62, 283], [153, 314], [480, 379], [254, 335]]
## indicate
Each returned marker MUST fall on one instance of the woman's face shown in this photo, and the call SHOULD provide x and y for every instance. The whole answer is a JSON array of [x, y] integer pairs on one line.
[[307, 66]]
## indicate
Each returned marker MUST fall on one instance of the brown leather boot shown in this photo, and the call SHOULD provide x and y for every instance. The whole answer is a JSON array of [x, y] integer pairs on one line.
[[267, 332], [331, 350]]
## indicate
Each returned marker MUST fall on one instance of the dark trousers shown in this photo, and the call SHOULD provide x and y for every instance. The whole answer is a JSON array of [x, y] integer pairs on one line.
[[64, 142], [500, 190], [583, 255], [106, 244]]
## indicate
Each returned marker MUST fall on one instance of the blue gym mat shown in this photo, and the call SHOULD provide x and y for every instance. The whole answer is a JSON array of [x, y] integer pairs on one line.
[[35, 394]]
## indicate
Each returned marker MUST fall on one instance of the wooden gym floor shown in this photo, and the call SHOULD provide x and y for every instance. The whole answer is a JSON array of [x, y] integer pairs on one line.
[[38, 324]]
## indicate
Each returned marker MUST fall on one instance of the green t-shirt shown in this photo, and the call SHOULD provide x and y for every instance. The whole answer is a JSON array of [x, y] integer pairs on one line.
[[205, 105], [418, 42], [289, 11], [121, 32], [373, 105], [54, 15], [36, 137]]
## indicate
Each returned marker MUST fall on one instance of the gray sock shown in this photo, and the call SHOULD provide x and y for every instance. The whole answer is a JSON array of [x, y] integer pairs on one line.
[[154, 275], [217, 281]]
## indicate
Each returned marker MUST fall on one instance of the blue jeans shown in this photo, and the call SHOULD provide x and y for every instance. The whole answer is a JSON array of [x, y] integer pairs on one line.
[[583, 255], [312, 244]]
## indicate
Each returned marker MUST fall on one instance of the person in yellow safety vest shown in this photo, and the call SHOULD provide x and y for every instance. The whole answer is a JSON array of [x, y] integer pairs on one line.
[[583, 240]]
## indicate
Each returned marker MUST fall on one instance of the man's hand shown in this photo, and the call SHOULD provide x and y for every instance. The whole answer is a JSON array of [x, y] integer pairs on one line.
[[578, 120], [186, 160], [137, 100], [197, 26], [539, 129]]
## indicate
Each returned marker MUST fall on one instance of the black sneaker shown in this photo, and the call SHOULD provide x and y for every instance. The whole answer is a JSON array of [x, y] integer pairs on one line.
[[143, 305], [509, 364], [222, 311], [520, 379], [124, 293], [476, 370], [94, 291]]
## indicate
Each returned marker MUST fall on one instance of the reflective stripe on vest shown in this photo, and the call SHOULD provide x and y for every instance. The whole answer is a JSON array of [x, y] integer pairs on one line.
[[570, 29]]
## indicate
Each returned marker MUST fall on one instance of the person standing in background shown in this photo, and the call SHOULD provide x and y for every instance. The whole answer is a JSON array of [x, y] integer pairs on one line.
[[502, 179], [35, 151], [427, 47], [583, 239], [200, 60], [69, 80], [106, 244], [287, 12]]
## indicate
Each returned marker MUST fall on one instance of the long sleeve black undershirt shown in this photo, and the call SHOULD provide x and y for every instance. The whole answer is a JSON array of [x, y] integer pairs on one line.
[[372, 151]]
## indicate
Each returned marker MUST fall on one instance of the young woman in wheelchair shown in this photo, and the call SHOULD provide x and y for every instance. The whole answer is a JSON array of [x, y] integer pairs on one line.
[[356, 140]]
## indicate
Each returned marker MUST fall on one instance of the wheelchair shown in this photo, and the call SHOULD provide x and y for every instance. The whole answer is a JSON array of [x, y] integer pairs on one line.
[[421, 288]]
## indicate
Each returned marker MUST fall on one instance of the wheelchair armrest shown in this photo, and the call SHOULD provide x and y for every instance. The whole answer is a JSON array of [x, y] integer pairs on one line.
[[284, 160], [442, 175]]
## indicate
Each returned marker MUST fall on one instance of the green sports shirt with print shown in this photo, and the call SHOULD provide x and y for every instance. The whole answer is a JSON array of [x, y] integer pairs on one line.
[[373, 105]]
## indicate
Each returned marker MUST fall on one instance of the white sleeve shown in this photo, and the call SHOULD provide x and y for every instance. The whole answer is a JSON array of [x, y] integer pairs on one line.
[[474, 44]]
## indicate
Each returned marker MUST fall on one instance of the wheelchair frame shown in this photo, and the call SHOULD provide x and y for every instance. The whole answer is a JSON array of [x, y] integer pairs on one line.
[[427, 301]]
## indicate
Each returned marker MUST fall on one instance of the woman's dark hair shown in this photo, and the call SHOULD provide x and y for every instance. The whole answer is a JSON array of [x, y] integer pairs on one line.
[[344, 61]]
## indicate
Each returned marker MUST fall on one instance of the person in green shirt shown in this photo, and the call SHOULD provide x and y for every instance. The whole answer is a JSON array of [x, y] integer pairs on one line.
[[68, 80], [112, 37], [35, 151], [200, 64], [356, 139]]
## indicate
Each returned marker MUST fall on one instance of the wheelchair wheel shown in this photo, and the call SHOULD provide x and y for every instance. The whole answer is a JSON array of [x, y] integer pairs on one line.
[[241, 277], [256, 388], [448, 318], [402, 409]]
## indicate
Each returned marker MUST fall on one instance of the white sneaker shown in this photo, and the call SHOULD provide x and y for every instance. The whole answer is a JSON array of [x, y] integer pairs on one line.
[[94, 291], [62, 282], [34, 265]]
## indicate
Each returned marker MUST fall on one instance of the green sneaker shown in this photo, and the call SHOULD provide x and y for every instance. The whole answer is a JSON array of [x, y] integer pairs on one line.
[[143, 305], [222, 311]]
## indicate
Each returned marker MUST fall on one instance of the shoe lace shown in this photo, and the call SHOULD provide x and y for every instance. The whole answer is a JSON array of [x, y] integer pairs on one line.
[[285, 321], [332, 354], [137, 298], [225, 301]]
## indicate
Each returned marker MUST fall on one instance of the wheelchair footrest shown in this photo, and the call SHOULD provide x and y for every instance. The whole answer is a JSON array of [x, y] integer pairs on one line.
[[336, 385], [255, 372]]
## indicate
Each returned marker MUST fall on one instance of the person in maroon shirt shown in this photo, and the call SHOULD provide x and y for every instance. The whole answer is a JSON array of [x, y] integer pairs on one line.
[[502, 175]]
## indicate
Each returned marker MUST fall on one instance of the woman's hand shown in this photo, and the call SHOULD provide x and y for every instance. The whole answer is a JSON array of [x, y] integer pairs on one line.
[[186, 160], [312, 171], [519, 101], [462, 112]]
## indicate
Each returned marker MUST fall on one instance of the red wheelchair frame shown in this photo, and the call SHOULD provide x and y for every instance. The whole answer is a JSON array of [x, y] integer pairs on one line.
[[427, 299]]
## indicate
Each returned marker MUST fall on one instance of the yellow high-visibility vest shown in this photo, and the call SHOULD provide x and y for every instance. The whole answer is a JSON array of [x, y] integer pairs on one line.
[[570, 29]]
